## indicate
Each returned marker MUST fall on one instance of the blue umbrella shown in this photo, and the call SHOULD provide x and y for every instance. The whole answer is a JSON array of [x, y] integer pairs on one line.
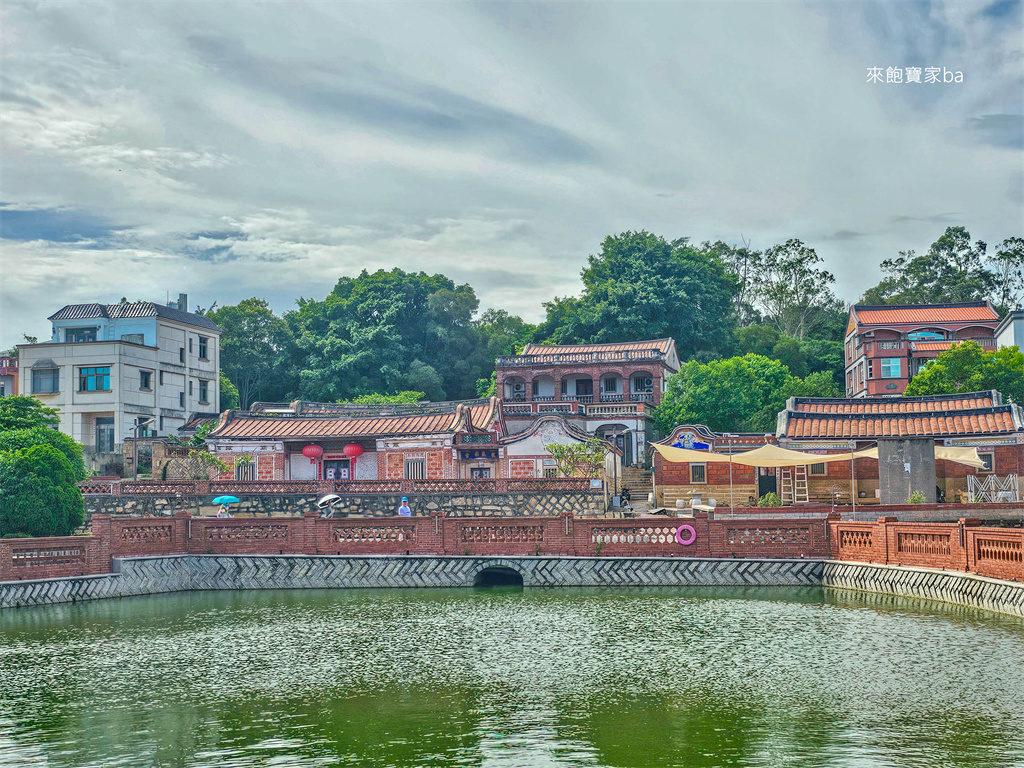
[[226, 500]]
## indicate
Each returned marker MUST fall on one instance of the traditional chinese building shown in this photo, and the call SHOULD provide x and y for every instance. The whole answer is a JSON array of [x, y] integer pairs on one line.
[[886, 346], [980, 420], [606, 390], [431, 441]]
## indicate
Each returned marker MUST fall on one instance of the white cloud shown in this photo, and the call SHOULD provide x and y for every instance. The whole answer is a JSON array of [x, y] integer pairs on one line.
[[256, 150]]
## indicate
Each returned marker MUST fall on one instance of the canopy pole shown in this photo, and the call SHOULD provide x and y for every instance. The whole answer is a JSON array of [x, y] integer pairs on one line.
[[853, 480], [732, 502]]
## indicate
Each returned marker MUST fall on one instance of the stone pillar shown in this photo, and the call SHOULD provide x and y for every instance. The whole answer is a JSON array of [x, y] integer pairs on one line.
[[906, 465]]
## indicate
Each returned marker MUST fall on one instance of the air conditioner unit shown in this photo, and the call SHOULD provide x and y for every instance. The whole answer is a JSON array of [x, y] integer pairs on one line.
[[519, 388], [647, 383]]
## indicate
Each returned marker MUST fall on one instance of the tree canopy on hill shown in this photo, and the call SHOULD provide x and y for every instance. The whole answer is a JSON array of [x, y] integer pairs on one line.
[[953, 270], [741, 394], [966, 367], [641, 286]]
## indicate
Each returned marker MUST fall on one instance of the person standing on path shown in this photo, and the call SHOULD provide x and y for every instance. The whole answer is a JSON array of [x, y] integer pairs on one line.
[[404, 510]]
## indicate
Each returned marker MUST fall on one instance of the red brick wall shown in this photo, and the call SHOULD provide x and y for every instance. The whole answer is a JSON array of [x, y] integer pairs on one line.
[[963, 546], [52, 557], [522, 467]]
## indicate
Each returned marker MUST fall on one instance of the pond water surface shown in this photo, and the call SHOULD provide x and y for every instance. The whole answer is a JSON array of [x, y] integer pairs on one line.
[[568, 677]]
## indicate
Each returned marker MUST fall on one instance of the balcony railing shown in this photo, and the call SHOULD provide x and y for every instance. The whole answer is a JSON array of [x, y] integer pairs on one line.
[[579, 398], [984, 341], [589, 409], [611, 398], [641, 397], [559, 358]]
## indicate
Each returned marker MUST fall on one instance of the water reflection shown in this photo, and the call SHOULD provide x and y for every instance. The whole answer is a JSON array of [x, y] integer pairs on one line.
[[507, 677]]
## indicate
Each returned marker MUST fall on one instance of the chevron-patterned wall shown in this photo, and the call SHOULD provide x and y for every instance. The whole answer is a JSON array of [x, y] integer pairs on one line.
[[946, 586], [150, 575]]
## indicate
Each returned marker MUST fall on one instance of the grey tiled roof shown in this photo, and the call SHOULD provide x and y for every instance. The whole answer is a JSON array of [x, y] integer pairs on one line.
[[132, 309]]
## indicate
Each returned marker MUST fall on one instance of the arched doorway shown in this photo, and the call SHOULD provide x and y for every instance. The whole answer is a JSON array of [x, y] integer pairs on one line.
[[498, 576]]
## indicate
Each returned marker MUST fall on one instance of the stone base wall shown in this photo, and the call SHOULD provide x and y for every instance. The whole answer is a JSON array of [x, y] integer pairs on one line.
[[946, 586], [452, 505], [176, 573]]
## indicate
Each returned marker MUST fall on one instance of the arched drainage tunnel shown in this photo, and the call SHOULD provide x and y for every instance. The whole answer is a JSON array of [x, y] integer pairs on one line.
[[498, 576]]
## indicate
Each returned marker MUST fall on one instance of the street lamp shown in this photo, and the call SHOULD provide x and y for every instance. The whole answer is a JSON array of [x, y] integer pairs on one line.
[[135, 445]]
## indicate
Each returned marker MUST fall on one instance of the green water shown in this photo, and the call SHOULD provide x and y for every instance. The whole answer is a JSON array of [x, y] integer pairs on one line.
[[506, 678]]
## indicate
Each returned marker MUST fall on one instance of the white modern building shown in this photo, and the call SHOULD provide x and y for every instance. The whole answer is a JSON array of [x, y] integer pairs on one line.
[[1010, 331], [111, 368]]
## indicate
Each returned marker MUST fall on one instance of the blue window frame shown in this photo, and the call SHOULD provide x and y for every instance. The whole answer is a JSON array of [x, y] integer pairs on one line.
[[94, 379], [890, 367], [926, 336]]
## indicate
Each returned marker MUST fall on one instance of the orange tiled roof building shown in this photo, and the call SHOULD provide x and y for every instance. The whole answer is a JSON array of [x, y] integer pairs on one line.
[[980, 420], [886, 346]]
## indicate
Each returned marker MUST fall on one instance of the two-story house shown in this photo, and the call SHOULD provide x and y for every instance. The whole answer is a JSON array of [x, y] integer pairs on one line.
[[608, 390], [8, 375], [886, 346], [115, 371]]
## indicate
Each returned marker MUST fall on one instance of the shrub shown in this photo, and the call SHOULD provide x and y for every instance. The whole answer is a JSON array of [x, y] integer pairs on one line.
[[15, 439], [770, 499], [38, 495], [916, 498]]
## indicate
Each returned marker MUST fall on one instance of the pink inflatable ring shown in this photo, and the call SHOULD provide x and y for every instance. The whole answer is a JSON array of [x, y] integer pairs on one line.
[[691, 535]]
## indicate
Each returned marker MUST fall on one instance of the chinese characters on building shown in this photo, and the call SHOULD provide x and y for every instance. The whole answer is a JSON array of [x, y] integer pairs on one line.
[[922, 75]]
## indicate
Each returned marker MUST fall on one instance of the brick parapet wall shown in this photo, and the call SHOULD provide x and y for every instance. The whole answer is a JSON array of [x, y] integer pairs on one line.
[[963, 546]]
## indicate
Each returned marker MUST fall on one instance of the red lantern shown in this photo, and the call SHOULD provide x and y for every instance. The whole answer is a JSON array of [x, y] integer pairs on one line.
[[353, 450], [312, 452]]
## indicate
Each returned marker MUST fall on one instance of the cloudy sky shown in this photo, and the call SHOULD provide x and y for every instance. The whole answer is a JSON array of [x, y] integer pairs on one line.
[[265, 150]]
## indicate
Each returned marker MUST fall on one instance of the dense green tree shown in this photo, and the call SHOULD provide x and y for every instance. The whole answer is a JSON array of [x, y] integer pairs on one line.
[[740, 261], [793, 293], [743, 394], [487, 387], [951, 271], [503, 333], [12, 440], [26, 412], [38, 495], [401, 398], [228, 393], [725, 395], [389, 331], [256, 350], [1007, 264], [641, 286], [966, 367], [810, 356], [826, 355]]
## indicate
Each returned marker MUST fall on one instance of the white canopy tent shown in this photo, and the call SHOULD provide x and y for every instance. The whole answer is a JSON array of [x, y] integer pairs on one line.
[[774, 456]]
